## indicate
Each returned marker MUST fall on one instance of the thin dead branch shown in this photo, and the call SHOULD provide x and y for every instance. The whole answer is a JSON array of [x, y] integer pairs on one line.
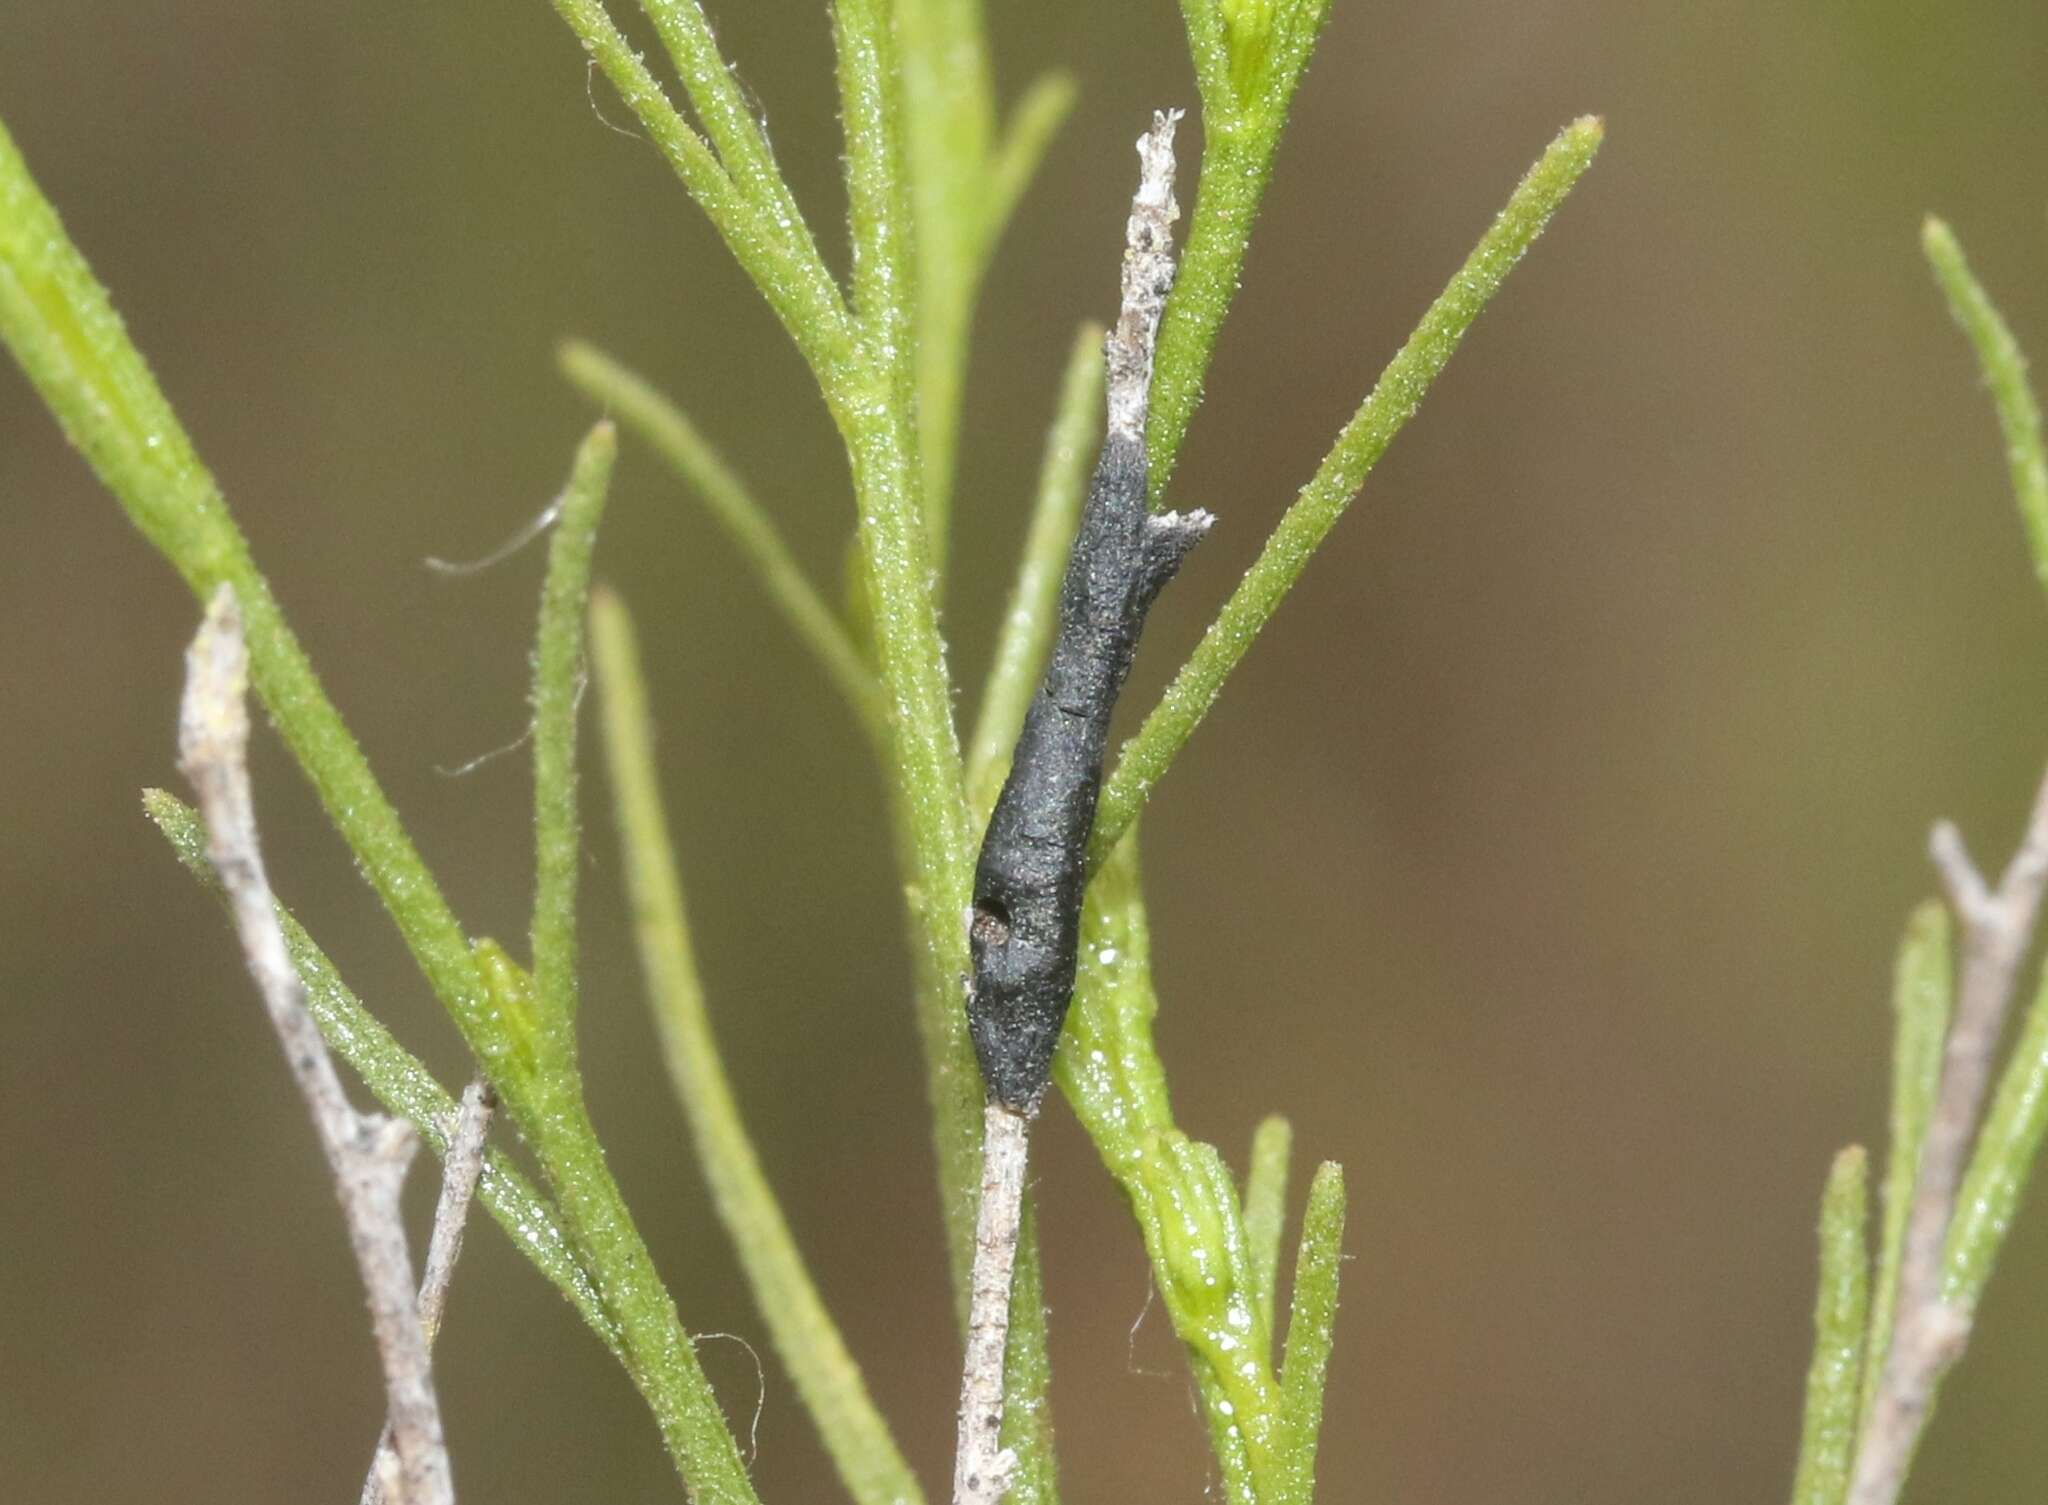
[[461, 1168], [367, 1153], [981, 1464], [1928, 1333]]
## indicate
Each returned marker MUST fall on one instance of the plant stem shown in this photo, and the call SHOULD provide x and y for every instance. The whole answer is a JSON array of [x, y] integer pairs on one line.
[[805, 1336], [1265, 1210], [1364, 439], [784, 264], [1027, 1377], [557, 692], [1034, 599], [1310, 1328], [367, 1153], [403, 1085], [1244, 112], [948, 103], [1921, 999], [1827, 1447], [61, 326], [2005, 373], [654, 418]]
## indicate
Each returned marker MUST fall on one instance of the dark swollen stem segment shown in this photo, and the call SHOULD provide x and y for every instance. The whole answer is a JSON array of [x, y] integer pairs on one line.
[[1025, 925]]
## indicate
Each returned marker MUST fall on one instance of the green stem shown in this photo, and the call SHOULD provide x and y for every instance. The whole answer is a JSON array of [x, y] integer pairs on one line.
[[1179, 1191], [60, 325], [2005, 373], [1027, 1376], [1923, 980], [948, 102], [1827, 1448], [1364, 439], [659, 1354], [721, 104], [557, 692], [806, 1338], [693, 459], [1249, 58], [1034, 599], [2007, 1147], [1310, 1328], [783, 265], [402, 1083], [1265, 1209]]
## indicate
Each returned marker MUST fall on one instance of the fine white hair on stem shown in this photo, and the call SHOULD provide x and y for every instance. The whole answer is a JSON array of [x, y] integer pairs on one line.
[[1147, 279], [981, 1464], [1929, 1333], [527, 532], [461, 1168], [367, 1153]]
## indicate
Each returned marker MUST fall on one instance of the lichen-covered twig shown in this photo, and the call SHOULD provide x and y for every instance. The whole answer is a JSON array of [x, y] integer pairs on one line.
[[1928, 1332], [461, 1168], [1025, 925], [368, 1153]]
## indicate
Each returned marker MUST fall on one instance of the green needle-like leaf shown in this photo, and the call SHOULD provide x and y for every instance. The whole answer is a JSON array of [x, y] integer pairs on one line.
[[1037, 118], [1364, 439], [2005, 373], [1249, 56], [779, 257], [1265, 1209], [1311, 1325], [400, 1082], [557, 692], [644, 411], [1922, 989], [1034, 600], [2007, 1146], [1179, 1190], [1827, 1448], [1027, 1376], [804, 1334], [721, 104], [60, 325]]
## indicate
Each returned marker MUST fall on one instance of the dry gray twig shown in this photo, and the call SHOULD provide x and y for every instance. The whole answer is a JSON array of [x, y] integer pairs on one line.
[[981, 1464], [461, 1168], [368, 1153], [1928, 1333]]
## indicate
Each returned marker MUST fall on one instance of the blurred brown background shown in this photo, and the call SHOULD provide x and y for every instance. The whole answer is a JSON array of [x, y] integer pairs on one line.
[[1545, 862]]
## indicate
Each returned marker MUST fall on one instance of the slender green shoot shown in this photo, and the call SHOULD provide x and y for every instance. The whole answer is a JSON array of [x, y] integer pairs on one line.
[[557, 693], [1034, 600], [398, 1080], [644, 411], [1027, 1376], [964, 184], [1827, 1448], [2007, 1146], [2005, 373], [1034, 122], [1922, 996], [1249, 56], [1265, 1209], [721, 104], [1311, 1326], [779, 257], [804, 1334], [1179, 1190], [1394, 399], [61, 326]]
